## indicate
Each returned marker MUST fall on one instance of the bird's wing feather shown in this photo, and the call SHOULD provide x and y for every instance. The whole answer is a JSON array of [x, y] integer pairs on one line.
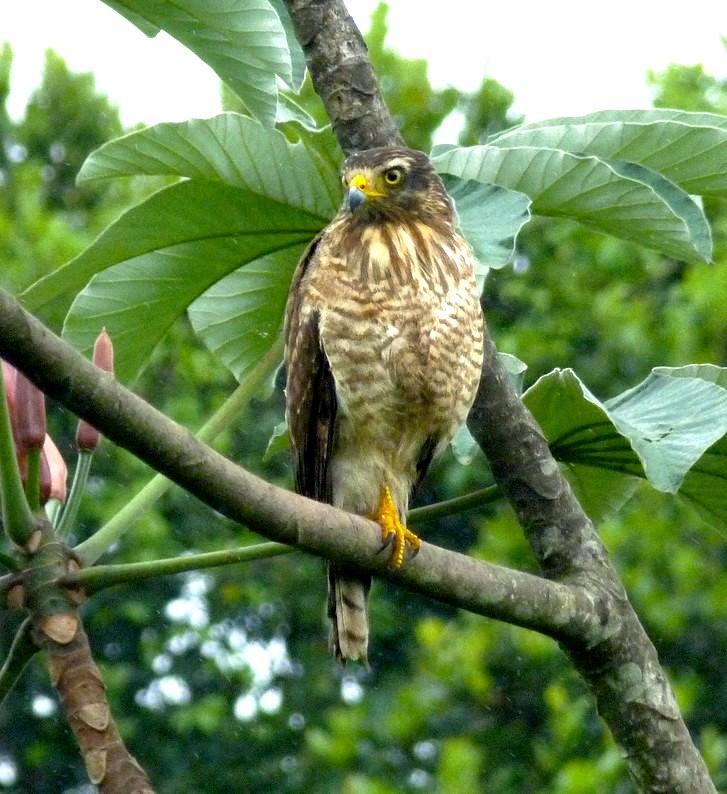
[[311, 404]]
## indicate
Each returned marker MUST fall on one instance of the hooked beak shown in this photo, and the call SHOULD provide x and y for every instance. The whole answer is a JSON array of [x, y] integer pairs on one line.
[[355, 198], [360, 189]]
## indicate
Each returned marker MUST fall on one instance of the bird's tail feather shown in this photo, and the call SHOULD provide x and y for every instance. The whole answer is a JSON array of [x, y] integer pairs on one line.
[[348, 593]]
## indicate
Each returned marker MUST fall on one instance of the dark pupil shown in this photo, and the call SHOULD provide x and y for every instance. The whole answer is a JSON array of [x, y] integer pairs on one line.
[[393, 176]]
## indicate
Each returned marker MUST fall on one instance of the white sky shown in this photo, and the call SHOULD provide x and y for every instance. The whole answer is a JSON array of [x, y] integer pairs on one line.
[[558, 57]]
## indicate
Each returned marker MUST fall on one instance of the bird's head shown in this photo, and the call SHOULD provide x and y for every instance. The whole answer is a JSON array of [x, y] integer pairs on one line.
[[391, 181]]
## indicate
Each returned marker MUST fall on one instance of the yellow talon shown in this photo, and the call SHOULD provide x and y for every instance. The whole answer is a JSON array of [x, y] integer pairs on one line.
[[392, 529]]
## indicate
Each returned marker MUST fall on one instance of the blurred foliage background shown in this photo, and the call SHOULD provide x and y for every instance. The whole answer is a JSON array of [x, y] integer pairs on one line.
[[221, 682]]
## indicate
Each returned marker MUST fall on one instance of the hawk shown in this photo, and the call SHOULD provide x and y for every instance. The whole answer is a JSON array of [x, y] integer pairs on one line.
[[383, 354]]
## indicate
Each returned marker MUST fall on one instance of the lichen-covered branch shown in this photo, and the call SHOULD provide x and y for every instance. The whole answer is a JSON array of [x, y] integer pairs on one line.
[[342, 75]]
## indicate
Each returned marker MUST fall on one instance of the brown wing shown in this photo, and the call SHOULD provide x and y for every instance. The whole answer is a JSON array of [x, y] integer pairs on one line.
[[310, 393]]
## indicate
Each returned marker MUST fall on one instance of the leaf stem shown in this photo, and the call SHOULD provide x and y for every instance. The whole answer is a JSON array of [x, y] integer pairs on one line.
[[99, 577], [78, 488], [459, 504], [92, 548], [21, 652], [32, 482], [16, 513]]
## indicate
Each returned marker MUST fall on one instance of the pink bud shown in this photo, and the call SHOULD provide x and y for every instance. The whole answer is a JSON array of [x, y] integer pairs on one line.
[[87, 437], [57, 472], [10, 375], [29, 414]]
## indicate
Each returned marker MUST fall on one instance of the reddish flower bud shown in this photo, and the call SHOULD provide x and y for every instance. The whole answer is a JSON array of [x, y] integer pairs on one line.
[[10, 375], [87, 437], [29, 414], [54, 468]]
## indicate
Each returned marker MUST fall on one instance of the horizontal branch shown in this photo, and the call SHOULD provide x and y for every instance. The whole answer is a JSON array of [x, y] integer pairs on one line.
[[555, 609]]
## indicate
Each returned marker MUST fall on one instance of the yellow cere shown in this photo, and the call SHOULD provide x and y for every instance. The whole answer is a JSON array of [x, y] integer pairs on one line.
[[360, 182]]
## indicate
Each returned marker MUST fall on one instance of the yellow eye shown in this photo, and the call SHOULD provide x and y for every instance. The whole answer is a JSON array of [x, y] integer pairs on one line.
[[393, 176]]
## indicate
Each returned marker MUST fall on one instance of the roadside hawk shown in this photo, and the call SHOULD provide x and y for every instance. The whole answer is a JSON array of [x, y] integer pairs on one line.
[[383, 357]]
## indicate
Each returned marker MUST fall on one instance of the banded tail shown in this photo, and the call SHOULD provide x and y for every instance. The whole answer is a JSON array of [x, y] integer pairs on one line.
[[348, 610]]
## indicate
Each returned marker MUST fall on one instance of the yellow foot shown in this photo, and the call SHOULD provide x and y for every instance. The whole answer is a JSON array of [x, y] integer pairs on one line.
[[393, 531]]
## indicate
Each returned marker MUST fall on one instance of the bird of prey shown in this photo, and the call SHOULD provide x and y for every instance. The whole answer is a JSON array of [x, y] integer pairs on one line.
[[383, 355]]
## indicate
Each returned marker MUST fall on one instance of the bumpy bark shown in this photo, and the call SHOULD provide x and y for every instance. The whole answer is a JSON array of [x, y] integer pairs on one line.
[[342, 75], [83, 696], [57, 629]]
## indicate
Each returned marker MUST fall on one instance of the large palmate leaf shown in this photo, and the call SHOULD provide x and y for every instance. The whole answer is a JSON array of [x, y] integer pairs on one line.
[[297, 58], [646, 116], [233, 149], [680, 148], [490, 217], [161, 255], [650, 431], [242, 40], [240, 316], [229, 149], [582, 187]]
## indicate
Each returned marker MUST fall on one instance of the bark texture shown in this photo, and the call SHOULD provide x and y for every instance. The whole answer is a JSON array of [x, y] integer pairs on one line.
[[342, 75], [57, 629], [82, 693]]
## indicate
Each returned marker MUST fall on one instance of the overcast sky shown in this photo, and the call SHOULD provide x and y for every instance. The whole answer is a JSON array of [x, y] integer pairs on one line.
[[557, 57]]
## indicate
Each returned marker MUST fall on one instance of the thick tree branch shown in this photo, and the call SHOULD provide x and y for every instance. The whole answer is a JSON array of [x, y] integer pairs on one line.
[[342, 75], [622, 669], [561, 611]]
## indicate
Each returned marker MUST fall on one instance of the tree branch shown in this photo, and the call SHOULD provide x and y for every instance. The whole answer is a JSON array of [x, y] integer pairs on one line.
[[558, 610], [622, 669], [342, 75]]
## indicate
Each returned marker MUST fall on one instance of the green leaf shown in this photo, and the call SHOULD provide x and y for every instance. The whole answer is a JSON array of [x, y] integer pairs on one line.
[[709, 372], [297, 58], [240, 316], [490, 217], [597, 460], [279, 441], [228, 150], [161, 255], [647, 116], [670, 422], [232, 149], [242, 40], [677, 200], [582, 187], [705, 486], [669, 429], [686, 148]]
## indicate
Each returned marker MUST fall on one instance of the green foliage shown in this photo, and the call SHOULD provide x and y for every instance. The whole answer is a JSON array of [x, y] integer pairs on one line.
[[229, 671], [417, 108], [243, 41], [590, 190], [64, 120]]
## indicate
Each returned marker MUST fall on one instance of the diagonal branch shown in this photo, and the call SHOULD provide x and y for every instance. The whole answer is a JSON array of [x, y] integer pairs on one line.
[[559, 610], [623, 670]]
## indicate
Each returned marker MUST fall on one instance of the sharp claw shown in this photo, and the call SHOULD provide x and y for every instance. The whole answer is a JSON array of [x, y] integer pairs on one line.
[[387, 540], [393, 531]]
